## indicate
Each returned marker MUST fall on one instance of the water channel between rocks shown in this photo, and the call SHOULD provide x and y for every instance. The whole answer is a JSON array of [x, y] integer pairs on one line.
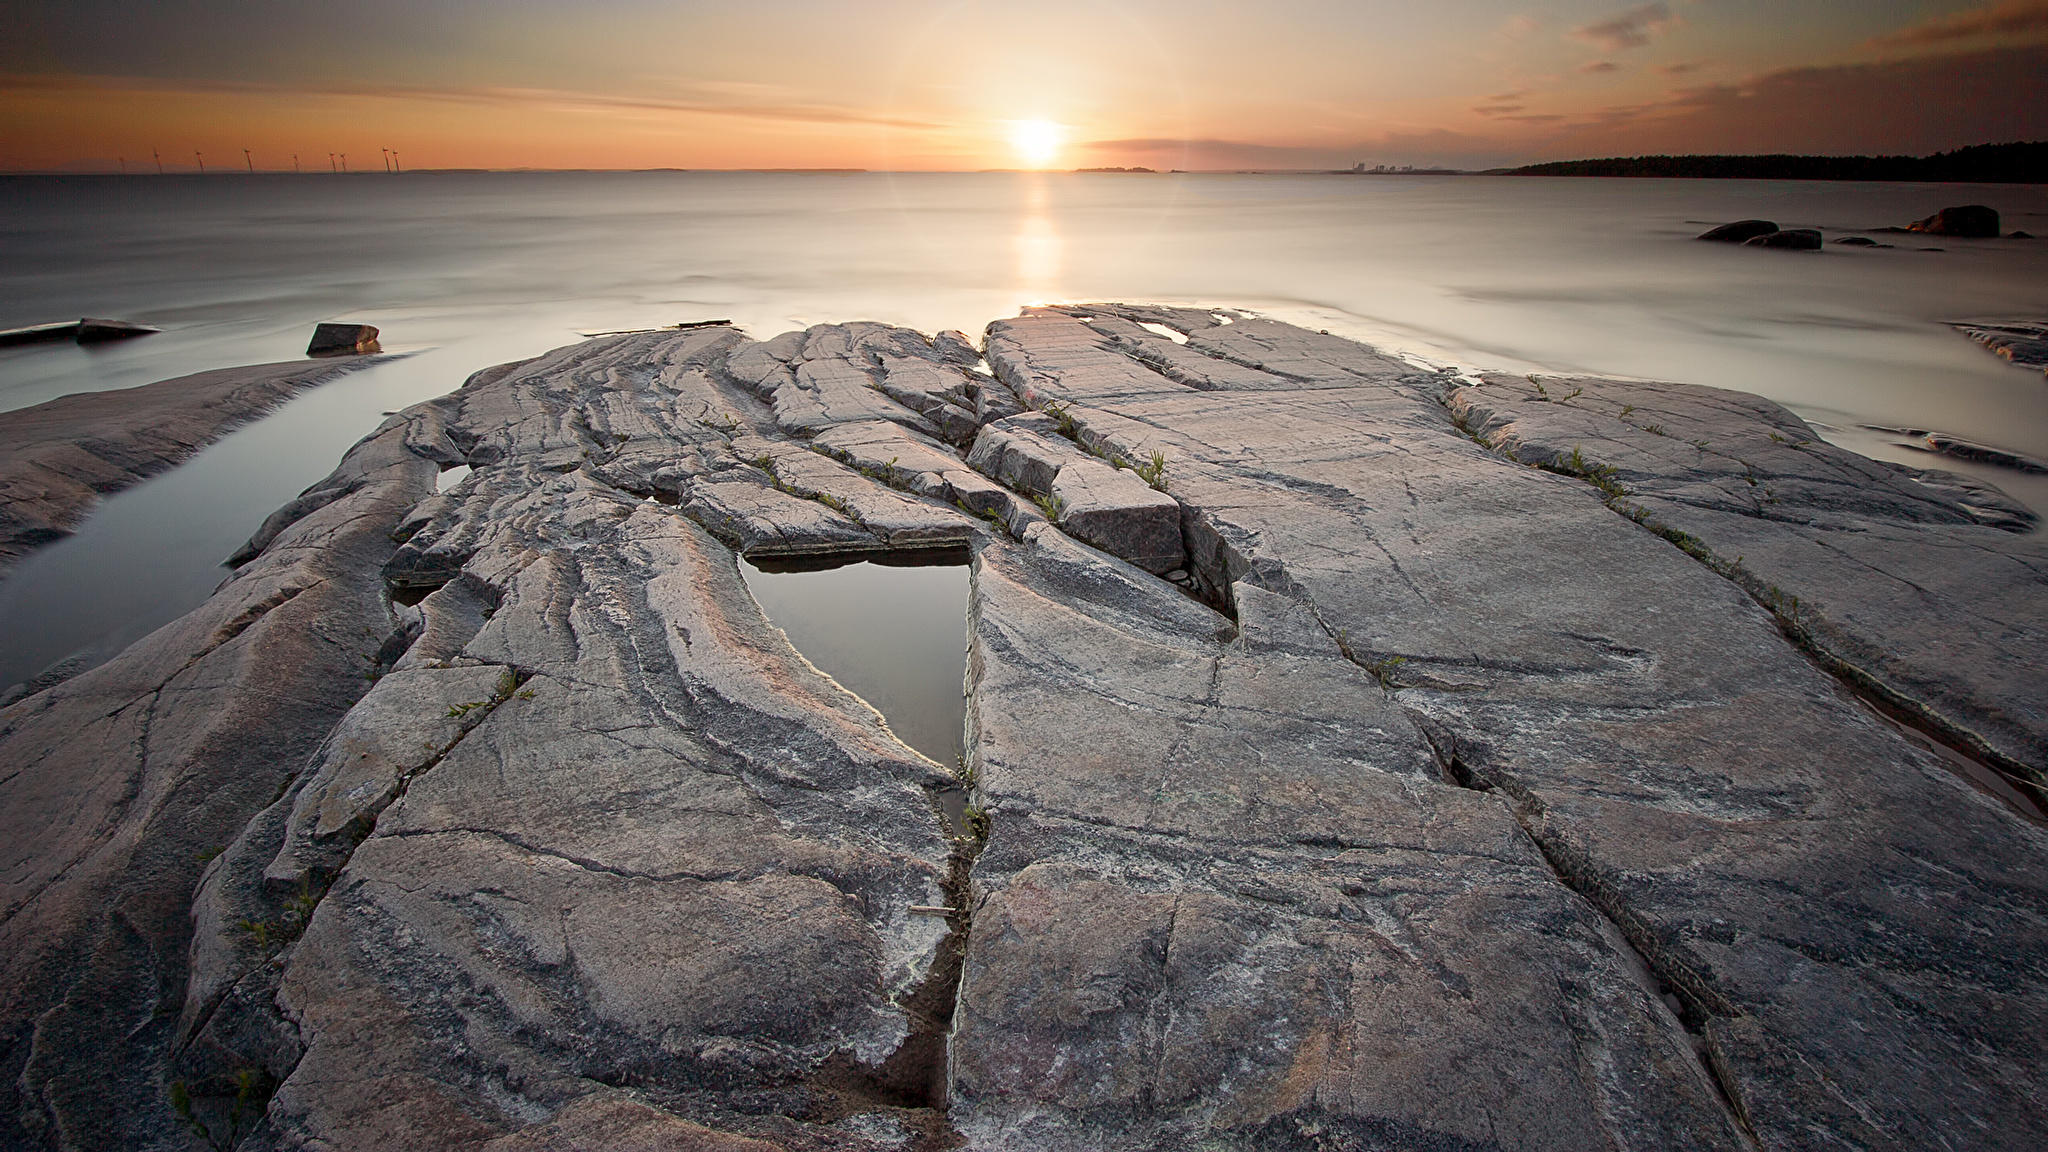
[[892, 629]]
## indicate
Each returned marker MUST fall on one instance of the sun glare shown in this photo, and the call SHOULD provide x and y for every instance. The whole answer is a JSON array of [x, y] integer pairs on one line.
[[1036, 141]]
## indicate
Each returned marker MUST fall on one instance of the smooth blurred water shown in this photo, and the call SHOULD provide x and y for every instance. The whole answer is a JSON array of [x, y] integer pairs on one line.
[[474, 269]]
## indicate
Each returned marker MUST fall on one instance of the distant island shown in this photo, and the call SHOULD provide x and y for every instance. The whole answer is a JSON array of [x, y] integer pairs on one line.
[[2016, 163], [1153, 170]]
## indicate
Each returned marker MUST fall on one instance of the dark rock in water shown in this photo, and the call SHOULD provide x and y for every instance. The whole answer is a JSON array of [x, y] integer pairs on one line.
[[91, 331], [342, 340], [2024, 342], [58, 458], [1800, 239], [2021, 236], [1963, 449], [1860, 242], [1971, 220], [1739, 231]]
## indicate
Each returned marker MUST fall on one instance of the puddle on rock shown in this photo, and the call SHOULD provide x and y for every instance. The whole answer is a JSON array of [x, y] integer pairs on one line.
[[891, 628]]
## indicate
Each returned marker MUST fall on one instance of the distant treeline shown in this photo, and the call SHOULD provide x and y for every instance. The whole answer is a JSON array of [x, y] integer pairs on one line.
[[2019, 163]]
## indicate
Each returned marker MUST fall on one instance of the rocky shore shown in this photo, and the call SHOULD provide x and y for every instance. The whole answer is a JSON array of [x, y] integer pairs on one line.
[[57, 459], [1358, 757]]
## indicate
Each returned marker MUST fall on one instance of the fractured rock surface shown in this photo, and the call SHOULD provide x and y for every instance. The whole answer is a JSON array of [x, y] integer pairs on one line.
[[1432, 800]]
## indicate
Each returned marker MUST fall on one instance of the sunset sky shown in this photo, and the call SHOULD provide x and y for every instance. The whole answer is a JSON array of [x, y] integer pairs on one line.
[[922, 84]]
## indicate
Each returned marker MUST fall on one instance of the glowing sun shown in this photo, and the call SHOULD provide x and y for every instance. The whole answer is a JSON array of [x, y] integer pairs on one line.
[[1036, 141]]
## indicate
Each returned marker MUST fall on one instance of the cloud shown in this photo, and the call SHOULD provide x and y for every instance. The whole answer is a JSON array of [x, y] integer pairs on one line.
[[1682, 67], [1917, 106], [1518, 27], [1631, 29], [2004, 18], [1497, 109], [1599, 66], [552, 99]]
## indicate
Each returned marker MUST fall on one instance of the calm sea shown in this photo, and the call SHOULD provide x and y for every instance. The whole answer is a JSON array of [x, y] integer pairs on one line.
[[468, 270]]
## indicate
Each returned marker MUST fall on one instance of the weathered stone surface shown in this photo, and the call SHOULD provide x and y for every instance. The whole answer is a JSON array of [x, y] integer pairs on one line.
[[58, 458], [1024, 453], [904, 460], [1435, 800], [1812, 890], [1738, 232], [121, 780], [608, 737], [2024, 342], [836, 374], [1967, 220], [1229, 897], [1897, 579], [342, 340], [1118, 513], [1800, 239]]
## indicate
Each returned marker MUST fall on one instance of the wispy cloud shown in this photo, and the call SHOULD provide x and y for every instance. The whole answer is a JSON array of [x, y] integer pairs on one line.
[[1682, 67], [552, 99], [1630, 29], [1599, 66], [1498, 109], [2009, 17]]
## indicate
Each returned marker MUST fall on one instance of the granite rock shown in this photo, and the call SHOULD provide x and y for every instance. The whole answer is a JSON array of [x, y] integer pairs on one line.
[[1473, 780]]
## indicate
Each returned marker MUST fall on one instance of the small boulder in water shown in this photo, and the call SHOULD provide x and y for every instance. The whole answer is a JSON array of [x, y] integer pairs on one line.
[[1967, 220], [1860, 242], [1739, 232], [1801, 239], [342, 340], [2021, 236]]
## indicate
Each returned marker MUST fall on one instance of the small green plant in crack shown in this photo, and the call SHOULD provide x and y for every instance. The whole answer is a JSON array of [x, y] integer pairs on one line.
[[1064, 418], [764, 462], [1153, 470], [253, 1088], [1626, 409], [207, 856], [1655, 429], [1777, 439], [977, 823], [964, 772], [1053, 506], [458, 711], [725, 425], [1383, 671]]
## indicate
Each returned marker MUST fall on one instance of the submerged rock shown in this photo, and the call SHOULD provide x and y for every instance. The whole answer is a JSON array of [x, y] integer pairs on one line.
[[1801, 239], [1739, 232], [2024, 342], [92, 331], [1430, 799]]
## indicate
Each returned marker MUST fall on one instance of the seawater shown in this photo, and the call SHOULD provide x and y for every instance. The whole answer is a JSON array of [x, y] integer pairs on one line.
[[472, 269]]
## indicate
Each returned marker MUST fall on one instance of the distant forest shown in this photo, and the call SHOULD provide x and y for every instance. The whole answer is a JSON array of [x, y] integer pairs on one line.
[[2021, 163]]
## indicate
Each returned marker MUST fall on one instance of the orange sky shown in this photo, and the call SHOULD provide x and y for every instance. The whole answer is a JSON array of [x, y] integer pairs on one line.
[[915, 84]]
